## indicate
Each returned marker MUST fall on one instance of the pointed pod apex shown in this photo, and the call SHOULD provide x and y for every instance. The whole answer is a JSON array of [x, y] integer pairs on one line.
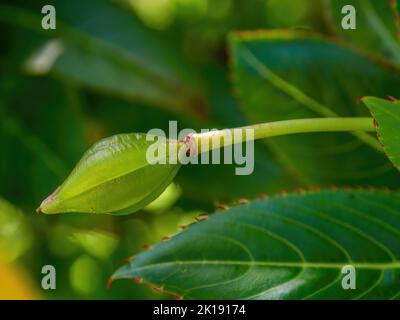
[[46, 205], [359, 99]]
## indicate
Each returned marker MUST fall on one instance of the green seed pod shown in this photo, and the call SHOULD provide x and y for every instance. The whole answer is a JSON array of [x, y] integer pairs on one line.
[[114, 176]]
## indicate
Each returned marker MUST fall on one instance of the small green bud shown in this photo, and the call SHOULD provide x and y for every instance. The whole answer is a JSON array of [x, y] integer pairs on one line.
[[114, 176]]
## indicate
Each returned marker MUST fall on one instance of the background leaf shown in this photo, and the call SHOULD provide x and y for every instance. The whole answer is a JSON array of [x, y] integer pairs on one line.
[[287, 75], [112, 52], [375, 30], [43, 138], [290, 247]]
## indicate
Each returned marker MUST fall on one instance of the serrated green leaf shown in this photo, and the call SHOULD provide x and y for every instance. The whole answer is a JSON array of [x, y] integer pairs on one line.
[[375, 30], [387, 116], [288, 247], [287, 75], [114, 176]]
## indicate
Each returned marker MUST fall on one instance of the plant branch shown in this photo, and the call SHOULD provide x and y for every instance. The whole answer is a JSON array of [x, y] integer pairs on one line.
[[204, 141]]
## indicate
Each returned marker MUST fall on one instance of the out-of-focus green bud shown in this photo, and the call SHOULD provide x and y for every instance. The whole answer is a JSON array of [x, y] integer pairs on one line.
[[15, 234], [114, 176]]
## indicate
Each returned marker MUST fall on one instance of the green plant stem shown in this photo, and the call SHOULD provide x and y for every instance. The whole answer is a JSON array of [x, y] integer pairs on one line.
[[204, 141]]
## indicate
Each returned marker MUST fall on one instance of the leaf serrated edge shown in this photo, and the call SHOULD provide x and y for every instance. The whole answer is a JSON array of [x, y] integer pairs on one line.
[[157, 288], [380, 138], [279, 194]]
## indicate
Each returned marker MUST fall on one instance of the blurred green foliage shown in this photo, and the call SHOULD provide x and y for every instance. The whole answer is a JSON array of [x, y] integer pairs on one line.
[[112, 67]]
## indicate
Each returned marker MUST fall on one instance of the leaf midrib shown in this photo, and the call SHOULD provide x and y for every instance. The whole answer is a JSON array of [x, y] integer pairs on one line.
[[319, 265]]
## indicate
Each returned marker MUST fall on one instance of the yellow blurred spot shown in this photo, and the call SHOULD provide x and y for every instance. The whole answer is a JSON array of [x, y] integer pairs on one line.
[[15, 284]]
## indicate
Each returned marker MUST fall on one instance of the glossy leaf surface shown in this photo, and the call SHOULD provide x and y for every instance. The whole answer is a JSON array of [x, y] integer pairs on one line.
[[288, 247], [106, 49]]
